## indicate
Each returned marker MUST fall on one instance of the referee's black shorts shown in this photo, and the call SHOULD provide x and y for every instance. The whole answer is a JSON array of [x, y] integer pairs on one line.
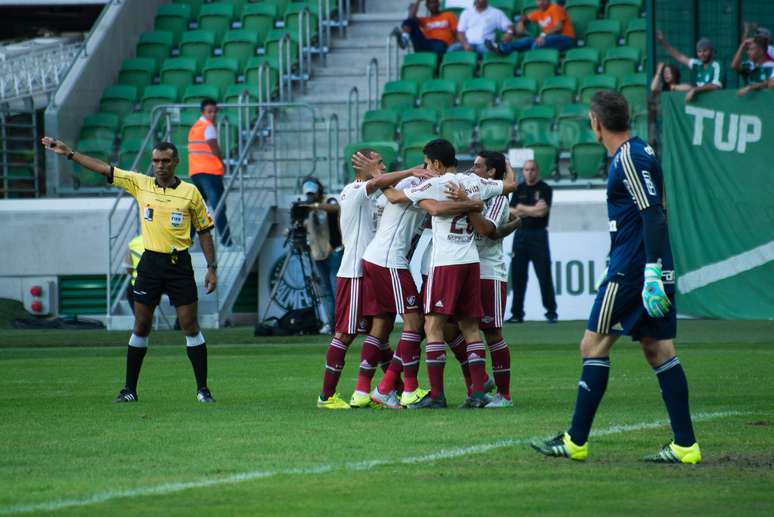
[[163, 273]]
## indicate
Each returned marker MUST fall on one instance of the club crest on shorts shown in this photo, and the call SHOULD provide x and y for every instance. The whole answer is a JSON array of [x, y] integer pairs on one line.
[[176, 219], [487, 319], [411, 300]]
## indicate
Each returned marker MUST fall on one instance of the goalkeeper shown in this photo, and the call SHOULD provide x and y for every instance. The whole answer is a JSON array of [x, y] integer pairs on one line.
[[636, 297]]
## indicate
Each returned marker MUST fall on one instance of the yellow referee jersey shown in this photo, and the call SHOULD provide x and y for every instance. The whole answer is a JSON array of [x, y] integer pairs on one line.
[[166, 214]]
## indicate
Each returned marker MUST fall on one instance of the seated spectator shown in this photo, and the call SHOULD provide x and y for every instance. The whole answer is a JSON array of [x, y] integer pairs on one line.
[[556, 30], [757, 69], [706, 70], [432, 33], [667, 78], [478, 24]]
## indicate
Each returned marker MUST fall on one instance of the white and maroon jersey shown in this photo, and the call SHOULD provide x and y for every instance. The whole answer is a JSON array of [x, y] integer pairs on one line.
[[392, 244], [490, 252], [424, 269], [358, 226], [453, 235]]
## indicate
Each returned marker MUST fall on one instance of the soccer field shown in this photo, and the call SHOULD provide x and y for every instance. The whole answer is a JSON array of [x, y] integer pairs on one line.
[[264, 448]]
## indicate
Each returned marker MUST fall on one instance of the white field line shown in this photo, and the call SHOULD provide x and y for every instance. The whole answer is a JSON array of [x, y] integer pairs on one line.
[[171, 488]]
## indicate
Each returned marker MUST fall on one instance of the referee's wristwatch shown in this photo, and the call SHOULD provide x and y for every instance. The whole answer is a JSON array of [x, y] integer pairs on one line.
[[213, 266]]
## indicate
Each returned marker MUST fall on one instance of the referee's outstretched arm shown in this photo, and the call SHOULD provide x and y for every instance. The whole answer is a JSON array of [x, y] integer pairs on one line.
[[90, 163]]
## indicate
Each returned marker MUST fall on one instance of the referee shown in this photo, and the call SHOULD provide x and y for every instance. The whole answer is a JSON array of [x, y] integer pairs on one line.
[[168, 207]]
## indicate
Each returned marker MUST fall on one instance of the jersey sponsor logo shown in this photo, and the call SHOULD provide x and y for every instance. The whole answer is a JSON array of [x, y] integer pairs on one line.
[[612, 226], [649, 183], [147, 213], [176, 219], [422, 187]]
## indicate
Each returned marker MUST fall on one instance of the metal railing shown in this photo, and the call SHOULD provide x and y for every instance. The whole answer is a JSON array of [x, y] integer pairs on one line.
[[393, 59], [333, 152], [372, 77], [37, 73], [353, 92]]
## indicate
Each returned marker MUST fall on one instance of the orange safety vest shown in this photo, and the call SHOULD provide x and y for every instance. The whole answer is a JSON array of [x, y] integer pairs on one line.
[[201, 159]]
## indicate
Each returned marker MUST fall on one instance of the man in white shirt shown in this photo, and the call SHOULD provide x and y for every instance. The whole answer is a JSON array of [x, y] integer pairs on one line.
[[478, 24]]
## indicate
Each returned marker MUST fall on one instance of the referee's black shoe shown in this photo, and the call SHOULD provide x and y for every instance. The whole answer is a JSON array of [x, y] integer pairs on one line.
[[204, 395], [126, 395]]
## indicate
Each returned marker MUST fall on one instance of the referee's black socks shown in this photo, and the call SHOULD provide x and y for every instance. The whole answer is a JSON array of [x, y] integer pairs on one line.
[[197, 354], [135, 353]]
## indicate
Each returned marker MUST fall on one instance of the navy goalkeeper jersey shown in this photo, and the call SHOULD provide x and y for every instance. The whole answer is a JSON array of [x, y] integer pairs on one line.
[[635, 182]]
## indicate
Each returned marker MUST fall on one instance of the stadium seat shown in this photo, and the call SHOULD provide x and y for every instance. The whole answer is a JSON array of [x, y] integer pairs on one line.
[[135, 126], [581, 12], [99, 126], [196, 5], [535, 124], [293, 14], [572, 122], [528, 6], [281, 5], [499, 68], [506, 6], [602, 35], [438, 94], [99, 149], [621, 61], [545, 154], [238, 5], [232, 96], [272, 43], [419, 121], [388, 151], [419, 66], [173, 18], [137, 72], [178, 71], [539, 64], [580, 62], [196, 93], [558, 90], [639, 126], [216, 17], [128, 153], [635, 88], [181, 171], [155, 45], [594, 83], [623, 11], [478, 93], [240, 44], [379, 125], [220, 71], [181, 127], [458, 66], [253, 66], [411, 152], [399, 95], [587, 157], [635, 35], [457, 126], [119, 99], [259, 18], [518, 92], [157, 94], [495, 128], [197, 45]]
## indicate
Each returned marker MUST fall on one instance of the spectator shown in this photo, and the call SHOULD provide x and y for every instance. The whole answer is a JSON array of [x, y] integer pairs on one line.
[[667, 78], [432, 33], [478, 25], [556, 30], [706, 70], [757, 69], [751, 30]]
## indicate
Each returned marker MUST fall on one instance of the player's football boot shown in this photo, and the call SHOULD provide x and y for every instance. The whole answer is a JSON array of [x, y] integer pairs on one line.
[[673, 453], [498, 401], [489, 385], [561, 446], [412, 397], [360, 399], [204, 396], [476, 401], [126, 395], [332, 402], [428, 402], [388, 401]]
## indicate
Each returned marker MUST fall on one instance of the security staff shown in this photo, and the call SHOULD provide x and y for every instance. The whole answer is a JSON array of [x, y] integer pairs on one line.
[[168, 207], [532, 202]]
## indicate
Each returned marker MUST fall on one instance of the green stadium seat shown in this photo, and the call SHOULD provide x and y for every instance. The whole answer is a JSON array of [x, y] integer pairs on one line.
[[99, 126], [181, 127], [545, 155], [181, 171], [594, 83], [580, 62], [499, 68], [280, 5], [128, 153], [418, 121], [259, 18], [478, 93], [572, 122], [581, 12], [240, 44], [438, 94], [238, 5], [388, 151], [635, 35], [458, 66], [635, 88], [528, 6], [135, 126], [399, 95], [495, 128], [539, 64], [379, 125], [587, 157], [216, 17], [155, 45], [118, 99], [506, 6], [178, 71], [137, 72], [419, 66], [519, 92], [197, 45], [535, 124], [196, 5], [252, 72], [602, 35], [411, 152], [196, 93], [639, 126], [232, 96], [457, 126], [623, 10], [173, 18], [293, 14], [621, 61], [271, 45], [220, 72], [99, 149], [158, 94], [558, 90]]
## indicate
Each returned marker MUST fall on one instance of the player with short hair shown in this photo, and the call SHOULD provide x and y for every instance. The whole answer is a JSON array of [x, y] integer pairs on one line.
[[168, 208], [624, 306]]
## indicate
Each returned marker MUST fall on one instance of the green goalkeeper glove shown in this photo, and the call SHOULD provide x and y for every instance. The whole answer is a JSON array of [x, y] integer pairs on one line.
[[653, 295]]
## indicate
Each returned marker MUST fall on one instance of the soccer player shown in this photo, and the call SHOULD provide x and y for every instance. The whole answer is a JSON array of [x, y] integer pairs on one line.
[[358, 225], [168, 208], [625, 305]]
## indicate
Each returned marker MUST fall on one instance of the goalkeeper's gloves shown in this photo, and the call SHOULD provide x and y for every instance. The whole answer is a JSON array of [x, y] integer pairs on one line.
[[653, 295]]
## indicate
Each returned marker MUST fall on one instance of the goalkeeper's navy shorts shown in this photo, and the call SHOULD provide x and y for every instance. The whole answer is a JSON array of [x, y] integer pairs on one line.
[[164, 273], [618, 310]]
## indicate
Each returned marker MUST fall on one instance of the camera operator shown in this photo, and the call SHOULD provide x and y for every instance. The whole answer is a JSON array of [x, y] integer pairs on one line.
[[324, 237]]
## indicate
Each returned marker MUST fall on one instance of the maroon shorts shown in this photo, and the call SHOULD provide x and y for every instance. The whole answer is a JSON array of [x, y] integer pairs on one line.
[[349, 307], [454, 290], [388, 291], [493, 297]]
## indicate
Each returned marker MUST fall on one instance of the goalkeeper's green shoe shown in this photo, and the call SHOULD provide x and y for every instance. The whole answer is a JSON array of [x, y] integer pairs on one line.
[[412, 397], [561, 446], [360, 399], [332, 402], [673, 453]]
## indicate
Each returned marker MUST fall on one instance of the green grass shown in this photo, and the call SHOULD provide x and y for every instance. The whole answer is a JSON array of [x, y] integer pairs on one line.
[[64, 440]]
